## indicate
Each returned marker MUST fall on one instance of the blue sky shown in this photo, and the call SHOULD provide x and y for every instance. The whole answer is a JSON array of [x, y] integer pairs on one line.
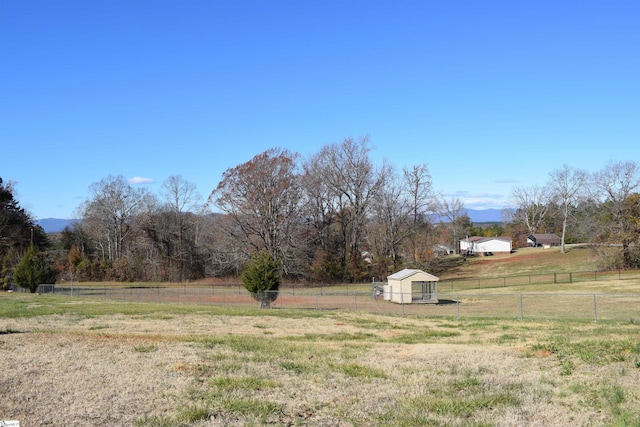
[[490, 95]]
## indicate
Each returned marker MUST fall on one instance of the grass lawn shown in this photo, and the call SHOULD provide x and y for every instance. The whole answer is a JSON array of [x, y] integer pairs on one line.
[[95, 362], [87, 362]]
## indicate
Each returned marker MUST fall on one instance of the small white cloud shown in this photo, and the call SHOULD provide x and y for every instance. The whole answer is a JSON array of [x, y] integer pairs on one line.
[[140, 180]]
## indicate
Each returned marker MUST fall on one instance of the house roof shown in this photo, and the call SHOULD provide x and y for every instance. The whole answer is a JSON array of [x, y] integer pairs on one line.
[[545, 238], [486, 239], [408, 272]]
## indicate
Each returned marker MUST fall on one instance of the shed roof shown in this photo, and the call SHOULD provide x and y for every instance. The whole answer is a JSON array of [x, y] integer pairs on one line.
[[408, 272]]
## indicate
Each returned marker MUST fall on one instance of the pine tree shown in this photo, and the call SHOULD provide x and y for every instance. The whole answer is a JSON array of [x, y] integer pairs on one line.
[[33, 269]]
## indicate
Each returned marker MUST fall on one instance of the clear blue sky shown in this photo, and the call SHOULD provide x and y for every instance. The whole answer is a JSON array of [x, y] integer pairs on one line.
[[489, 94]]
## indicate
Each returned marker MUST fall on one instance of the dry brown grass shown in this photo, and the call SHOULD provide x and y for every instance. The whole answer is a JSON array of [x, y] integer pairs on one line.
[[210, 366]]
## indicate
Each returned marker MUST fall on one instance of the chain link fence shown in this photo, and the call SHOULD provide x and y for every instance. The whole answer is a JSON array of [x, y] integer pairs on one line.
[[575, 306], [462, 284]]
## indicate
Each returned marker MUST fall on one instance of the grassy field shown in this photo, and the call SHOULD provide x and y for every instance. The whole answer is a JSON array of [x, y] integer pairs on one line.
[[526, 261], [89, 362], [86, 363]]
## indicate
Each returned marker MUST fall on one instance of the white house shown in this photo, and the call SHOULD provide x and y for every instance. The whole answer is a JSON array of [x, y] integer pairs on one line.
[[478, 245], [411, 286]]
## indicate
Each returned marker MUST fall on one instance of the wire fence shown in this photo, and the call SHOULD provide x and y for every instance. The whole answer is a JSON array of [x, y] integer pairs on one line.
[[575, 306], [462, 284]]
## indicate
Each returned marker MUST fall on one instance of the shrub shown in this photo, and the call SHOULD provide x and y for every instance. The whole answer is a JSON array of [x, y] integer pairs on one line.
[[261, 277]]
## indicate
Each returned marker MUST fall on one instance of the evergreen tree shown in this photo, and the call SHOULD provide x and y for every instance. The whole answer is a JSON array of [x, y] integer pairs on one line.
[[261, 277], [17, 233], [33, 269]]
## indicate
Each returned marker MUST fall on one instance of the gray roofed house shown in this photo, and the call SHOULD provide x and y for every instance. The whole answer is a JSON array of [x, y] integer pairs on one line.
[[543, 240]]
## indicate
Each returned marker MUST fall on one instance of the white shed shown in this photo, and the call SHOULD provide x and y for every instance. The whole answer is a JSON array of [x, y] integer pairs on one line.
[[412, 286]]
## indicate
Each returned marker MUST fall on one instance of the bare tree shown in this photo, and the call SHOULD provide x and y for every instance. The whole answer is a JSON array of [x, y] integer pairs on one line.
[[181, 195], [181, 200], [531, 206], [109, 211], [319, 207], [262, 199], [617, 186], [453, 210], [419, 193], [353, 182], [566, 185], [391, 212]]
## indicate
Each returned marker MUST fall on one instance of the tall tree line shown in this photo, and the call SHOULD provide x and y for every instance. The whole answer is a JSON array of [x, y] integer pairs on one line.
[[332, 217], [602, 208]]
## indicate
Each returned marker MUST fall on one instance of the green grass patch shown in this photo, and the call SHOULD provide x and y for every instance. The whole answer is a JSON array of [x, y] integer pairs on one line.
[[599, 351], [338, 337], [145, 348], [424, 336], [298, 367], [242, 383], [355, 370]]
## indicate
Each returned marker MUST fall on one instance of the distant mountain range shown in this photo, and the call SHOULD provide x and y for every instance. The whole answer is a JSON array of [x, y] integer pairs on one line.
[[56, 225], [486, 215]]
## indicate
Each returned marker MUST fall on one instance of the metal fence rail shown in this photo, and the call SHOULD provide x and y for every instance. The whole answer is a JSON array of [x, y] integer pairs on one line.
[[576, 306]]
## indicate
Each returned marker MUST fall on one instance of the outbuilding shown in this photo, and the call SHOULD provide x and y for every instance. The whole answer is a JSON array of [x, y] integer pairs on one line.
[[479, 245], [411, 286]]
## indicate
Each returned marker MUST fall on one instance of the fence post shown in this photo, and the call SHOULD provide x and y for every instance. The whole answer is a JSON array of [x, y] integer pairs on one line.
[[355, 300], [595, 309], [521, 316], [458, 307], [554, 278], [570, 277]]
